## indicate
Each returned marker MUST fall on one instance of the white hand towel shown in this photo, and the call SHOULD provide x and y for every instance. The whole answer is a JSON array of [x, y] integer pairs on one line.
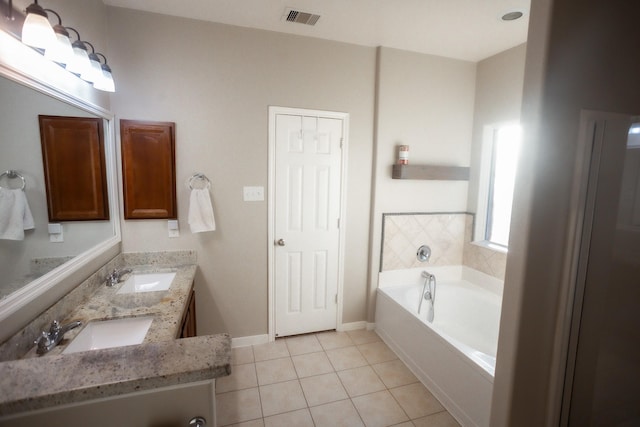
[[15, 214], [201, 211]]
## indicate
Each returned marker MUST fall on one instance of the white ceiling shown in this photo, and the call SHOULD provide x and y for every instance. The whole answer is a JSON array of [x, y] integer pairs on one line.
[[463, 29]]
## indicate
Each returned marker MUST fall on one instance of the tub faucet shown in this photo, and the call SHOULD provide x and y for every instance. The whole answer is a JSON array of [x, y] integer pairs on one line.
[[116, 276], [48, 340], [428, 293]]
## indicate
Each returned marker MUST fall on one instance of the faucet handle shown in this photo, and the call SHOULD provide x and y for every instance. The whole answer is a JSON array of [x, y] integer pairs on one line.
[[43, 342], [55, 327]]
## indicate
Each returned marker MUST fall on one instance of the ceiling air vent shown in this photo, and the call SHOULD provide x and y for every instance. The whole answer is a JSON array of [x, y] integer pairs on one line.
[[292, 15]]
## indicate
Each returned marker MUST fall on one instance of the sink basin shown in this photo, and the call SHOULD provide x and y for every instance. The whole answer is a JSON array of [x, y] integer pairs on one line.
[[110, 333], [149, 282]]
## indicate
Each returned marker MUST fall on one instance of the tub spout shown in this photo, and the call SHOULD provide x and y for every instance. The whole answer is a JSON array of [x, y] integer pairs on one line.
[[428, 293]]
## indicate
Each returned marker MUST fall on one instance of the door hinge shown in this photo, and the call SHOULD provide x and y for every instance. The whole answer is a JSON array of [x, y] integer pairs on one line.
[[336, 298], [338, 222], [341, 142]]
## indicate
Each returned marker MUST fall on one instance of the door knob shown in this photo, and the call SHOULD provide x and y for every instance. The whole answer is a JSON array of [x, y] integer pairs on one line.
[[280, 242]]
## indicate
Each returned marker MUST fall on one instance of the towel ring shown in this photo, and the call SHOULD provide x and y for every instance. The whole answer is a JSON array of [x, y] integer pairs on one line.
[[201, 177], [11, 174]]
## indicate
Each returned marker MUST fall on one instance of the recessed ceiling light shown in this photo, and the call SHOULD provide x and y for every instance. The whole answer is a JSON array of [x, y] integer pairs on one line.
[[512, 16]]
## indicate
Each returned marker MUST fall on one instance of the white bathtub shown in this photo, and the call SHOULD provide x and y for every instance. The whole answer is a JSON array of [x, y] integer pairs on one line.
[[454, 356]]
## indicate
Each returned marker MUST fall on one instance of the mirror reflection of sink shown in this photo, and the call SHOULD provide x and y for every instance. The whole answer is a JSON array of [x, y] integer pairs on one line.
[[147, 282], [110, 333]]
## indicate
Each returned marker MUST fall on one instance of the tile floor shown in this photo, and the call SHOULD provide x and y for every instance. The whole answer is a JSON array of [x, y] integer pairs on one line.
[[327, 379]]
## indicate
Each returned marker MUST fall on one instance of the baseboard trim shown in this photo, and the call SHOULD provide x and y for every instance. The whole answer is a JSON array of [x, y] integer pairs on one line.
[[357, 325], [250, 340]]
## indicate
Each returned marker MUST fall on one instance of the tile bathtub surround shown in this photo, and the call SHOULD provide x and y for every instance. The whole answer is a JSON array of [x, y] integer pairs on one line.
[[483, 259], [448, 235], [22, 342], [327, 379], [405, 233]]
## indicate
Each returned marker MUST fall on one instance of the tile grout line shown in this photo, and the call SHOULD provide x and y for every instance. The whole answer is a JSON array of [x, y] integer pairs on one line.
[[335, 372]]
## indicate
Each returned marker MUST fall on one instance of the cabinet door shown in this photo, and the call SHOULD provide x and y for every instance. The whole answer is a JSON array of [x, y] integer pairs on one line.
[[148, 169], [172, 406], [188, 328], [74, 168]]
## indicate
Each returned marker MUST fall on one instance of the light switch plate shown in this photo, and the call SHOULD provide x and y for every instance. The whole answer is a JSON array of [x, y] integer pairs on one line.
[[56, 233], [253, 194]]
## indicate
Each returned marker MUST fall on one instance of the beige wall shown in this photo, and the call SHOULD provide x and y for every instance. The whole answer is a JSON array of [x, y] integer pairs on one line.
[[216, 82], [499, 82], [426, 102], [578, 57], [498, 99]]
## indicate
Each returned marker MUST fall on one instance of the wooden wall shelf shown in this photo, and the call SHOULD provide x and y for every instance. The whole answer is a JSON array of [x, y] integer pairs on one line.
[[431, 172]]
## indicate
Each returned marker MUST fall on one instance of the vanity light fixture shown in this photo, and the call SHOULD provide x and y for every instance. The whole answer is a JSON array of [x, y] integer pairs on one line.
[[94, 72], [106, 83], [36, 30], [61, 51], [80, 62]]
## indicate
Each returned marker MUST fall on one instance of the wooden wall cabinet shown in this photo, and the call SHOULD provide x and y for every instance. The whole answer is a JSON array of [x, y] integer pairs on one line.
[[74, 168], [148, 169]]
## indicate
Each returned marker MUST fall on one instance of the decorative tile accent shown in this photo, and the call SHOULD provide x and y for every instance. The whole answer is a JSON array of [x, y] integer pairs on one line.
[[448, 235], [488, 261], [404, 234]]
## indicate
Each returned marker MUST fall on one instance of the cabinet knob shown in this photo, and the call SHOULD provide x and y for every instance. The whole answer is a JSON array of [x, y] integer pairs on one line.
[[197, 422]]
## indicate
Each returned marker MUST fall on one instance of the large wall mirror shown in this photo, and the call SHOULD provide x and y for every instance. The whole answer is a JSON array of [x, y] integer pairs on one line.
[[34, 266]]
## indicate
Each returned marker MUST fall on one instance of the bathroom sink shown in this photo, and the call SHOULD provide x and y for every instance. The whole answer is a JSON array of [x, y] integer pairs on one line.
[[110, 333], [148, 282]]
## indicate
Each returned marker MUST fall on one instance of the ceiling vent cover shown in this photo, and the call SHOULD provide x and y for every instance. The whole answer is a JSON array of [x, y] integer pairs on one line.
[[292, 15]]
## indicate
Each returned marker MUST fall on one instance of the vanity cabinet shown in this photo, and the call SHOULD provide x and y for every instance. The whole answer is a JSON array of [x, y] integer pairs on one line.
[[188, 326], [162, 407]]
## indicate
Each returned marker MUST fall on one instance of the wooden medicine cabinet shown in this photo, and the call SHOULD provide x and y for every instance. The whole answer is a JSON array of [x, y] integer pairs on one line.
[[148, 169], [74, 168]]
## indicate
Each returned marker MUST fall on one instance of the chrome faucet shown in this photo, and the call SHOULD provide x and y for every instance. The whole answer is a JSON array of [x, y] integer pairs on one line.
[[48, 340], [116, 276], [428, 293]]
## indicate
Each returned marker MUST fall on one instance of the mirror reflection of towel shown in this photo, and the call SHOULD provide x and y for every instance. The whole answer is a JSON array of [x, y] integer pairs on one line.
[[15, 215], [201, 211]]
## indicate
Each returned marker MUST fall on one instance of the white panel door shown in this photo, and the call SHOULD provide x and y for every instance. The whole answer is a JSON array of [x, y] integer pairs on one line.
[[307, 209]]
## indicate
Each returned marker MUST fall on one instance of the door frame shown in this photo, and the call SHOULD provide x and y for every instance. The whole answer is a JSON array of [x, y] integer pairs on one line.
[[273, 112], [591, 140]]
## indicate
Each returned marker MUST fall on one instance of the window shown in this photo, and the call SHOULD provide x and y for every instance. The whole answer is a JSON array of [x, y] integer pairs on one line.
[[500, 151]]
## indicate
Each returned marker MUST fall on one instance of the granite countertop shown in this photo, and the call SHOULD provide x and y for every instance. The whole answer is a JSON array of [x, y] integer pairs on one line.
[[166, 307], [161, 360]]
